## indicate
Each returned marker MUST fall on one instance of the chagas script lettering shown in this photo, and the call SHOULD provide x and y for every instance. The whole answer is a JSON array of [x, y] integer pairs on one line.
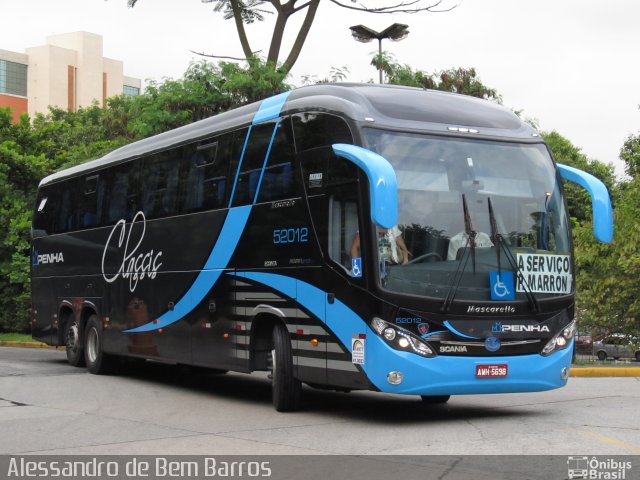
[[132, 265]]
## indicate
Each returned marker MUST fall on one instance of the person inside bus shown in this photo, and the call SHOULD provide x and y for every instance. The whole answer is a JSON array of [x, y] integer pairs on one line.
[[391, 246], [461, 240]]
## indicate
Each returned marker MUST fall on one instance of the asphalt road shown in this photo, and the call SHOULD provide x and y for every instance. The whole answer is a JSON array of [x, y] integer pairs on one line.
[[48, 407]]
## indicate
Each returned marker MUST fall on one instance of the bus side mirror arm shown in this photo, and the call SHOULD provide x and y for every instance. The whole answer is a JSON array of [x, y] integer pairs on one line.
[[600, 201], [383, 185]]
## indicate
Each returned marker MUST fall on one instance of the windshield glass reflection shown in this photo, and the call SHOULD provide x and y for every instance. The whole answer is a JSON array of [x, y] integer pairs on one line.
[[454, 239]]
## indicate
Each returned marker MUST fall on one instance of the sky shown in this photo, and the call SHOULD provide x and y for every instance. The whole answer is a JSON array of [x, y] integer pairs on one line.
[[572, 65]]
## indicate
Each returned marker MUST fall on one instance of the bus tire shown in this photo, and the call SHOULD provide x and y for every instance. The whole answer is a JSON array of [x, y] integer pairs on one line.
[[74, 343], [435, 399], [98, 362], [286, 390], [602, 355]]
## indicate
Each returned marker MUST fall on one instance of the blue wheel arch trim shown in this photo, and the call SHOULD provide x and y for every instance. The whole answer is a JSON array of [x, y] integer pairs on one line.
[[441, 375], [383, 184], [229, 237], [600, 201]]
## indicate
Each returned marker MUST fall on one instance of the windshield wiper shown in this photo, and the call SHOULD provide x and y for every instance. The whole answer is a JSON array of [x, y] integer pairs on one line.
[[462, 264], [494, 232], [498, 241], [471, 233]]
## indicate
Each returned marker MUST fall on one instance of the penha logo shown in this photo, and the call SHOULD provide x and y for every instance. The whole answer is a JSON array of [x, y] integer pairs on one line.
[[131, 264], [499, 327], [46, 258]]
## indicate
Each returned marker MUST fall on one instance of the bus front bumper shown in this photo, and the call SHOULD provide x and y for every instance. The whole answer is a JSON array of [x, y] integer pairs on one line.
[[452, 375]]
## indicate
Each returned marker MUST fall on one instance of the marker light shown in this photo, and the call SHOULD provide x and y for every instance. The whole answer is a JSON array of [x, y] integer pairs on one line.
[[389, 333], [394, 378]]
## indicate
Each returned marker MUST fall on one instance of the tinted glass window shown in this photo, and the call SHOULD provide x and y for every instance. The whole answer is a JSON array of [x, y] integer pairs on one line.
[[313, 130], [91, 201], [160, 175], [44, 213], [280, 178], [205, 174], [252, 160], [65, 194], [322, 168], [122, 193]]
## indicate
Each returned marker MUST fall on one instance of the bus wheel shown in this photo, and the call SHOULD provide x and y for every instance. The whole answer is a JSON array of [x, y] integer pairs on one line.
[[602, 355], [435, 399], [286, 389], [98, 362], [73, 343]]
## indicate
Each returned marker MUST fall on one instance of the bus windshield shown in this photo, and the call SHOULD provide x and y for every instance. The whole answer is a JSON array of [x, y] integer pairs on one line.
[[477, 219]]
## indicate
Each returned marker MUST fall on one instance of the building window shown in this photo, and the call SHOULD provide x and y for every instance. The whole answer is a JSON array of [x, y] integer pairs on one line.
[[130, 91], [13, 78]]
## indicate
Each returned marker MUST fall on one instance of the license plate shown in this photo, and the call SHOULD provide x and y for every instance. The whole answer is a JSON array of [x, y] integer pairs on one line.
[[492, 371]]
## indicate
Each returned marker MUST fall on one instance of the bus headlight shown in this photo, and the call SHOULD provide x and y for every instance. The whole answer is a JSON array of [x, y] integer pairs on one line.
[[401, 339], [561, 340]]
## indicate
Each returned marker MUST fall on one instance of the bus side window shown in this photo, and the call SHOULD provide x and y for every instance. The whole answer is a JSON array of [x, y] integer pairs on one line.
[[160, 175], [280, 178], [91, 197], [204, 177], [331, 185], [248, 178], [122, 199], [45, 212], [313, 129], [66, 217]]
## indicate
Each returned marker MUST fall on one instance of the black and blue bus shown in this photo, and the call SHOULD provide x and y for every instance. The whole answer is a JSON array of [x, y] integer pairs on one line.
[[263, 239]]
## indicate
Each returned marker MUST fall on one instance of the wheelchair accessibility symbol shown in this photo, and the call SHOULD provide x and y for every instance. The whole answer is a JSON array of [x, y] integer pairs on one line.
[[502, 287], [356, 267]]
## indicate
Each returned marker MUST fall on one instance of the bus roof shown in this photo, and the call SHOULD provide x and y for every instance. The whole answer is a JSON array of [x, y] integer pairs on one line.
[[384, 106]]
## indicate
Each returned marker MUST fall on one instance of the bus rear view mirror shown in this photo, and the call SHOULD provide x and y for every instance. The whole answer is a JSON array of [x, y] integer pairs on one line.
[[600, 201], [383, 185]]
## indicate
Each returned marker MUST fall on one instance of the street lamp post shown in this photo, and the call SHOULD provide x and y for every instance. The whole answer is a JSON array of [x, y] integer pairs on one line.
[[395, 32]]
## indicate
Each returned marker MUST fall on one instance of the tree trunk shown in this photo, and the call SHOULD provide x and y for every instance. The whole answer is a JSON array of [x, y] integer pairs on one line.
[[302, 36], [242, 34], [276, 38]]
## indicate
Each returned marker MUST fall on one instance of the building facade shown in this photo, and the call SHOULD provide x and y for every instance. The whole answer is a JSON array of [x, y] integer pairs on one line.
[[68, 72]]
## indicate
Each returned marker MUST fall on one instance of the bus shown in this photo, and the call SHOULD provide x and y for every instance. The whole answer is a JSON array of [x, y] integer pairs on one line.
[[342, 236]]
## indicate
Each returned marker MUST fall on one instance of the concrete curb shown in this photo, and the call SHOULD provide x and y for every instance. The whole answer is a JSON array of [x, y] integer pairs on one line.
[[576, 371], [605, 372], [27, 345]]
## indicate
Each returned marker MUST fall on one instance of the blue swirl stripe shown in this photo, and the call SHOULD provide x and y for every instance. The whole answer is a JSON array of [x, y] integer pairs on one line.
[[218, 260], [228, 239]]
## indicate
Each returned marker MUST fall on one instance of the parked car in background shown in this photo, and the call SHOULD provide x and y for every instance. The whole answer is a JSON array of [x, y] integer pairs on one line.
[[584, 343], [617, 345]]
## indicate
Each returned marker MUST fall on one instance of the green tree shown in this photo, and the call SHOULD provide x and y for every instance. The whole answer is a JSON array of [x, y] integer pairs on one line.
[[19, 176], [578, 200], [456, 80], [630, 155], [206, 89], [607, 274]]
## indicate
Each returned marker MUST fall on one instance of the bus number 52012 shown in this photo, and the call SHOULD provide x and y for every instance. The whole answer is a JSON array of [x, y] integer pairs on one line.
[[291, 235]]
